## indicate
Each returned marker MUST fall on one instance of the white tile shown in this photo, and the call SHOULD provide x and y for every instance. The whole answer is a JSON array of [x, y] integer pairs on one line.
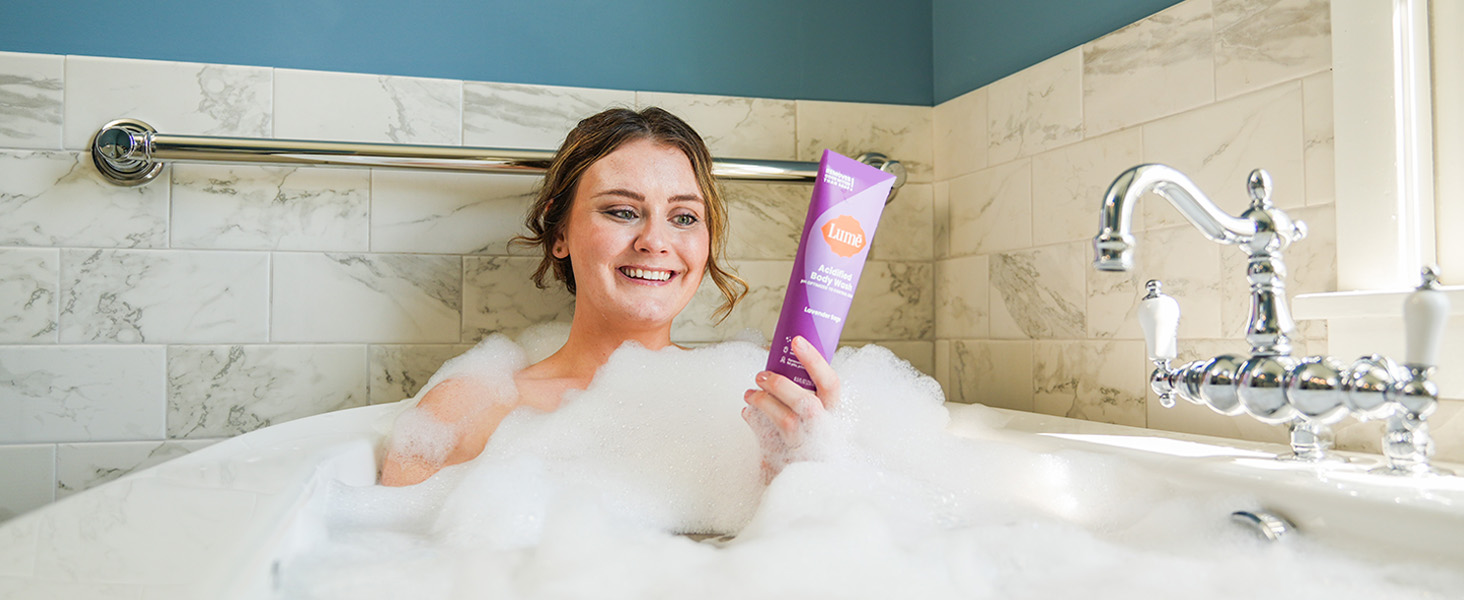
[[959, 126], [84, 466], [270, 208], [765, 220], [941, 219], [991, 372], [1185, 262], [174, 97], [353, 107], [943, 368], [895, 301], [962, 291], [30, 478], [511, 115], [1094, 381], [899, 132], [732, 126], [1319, 149], [1159, 66], [81, 393], [167, 296], [499, 296], [1068, 184], [991, 210], [1262, 42], [374, 298], [28, 286], [767, 280], [33, 100], [905, 226], [399, 371], [1040, 293], [221, 391], [1217, 147], [448, 213], [58, 199], [1036, 109]]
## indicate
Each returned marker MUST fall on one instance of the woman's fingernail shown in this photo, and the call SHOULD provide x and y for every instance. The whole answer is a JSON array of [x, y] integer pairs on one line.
[[761, 377], [799, 341]]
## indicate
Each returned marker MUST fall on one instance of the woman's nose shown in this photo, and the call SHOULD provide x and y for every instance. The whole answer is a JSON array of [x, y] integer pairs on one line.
[[653, 237]]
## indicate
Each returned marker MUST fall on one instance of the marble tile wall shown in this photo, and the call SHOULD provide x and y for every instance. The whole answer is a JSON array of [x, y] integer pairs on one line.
[[142, 323], [146, 322], [1212, 87]]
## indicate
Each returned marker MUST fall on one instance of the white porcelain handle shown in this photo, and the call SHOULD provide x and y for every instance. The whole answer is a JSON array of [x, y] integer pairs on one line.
[[1159, 317], [1424, 312]]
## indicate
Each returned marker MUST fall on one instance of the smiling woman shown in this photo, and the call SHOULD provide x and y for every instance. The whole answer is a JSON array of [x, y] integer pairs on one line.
[[629, 220]]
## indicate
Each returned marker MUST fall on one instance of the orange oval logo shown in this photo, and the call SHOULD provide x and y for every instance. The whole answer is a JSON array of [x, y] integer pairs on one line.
[[844, 235]]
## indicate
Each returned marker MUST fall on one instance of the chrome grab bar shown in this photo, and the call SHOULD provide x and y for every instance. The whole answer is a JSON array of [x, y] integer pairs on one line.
[[130, 152]]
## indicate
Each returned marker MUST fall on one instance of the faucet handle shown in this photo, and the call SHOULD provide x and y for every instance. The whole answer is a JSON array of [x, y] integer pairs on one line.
[[1159, 317], [1424, 312]]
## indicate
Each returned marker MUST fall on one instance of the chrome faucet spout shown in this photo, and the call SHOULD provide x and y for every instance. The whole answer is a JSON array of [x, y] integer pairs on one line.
[[1114, 245]]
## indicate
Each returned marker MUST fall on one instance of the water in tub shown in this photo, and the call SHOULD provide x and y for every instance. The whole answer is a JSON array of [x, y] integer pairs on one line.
[[589, 502]]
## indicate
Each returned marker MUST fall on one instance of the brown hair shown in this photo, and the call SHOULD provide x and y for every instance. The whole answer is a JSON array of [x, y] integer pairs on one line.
[[596, 137]]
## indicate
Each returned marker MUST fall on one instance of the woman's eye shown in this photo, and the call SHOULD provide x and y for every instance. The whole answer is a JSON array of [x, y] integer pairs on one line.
[[623, 214], [684, 220]]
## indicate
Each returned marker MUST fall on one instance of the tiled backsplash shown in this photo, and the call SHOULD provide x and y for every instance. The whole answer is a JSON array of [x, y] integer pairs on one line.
[[1214, 88], [149, 321]]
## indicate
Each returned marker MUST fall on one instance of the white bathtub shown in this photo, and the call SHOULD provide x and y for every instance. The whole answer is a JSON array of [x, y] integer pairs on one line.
[[212, 524]]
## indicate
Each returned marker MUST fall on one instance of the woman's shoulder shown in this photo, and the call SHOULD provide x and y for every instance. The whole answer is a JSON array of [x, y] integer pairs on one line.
[[457, 398]]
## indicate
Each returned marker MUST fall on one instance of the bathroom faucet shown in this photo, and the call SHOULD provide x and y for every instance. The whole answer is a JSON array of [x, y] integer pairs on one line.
[[1262, 232], [1308, 394]]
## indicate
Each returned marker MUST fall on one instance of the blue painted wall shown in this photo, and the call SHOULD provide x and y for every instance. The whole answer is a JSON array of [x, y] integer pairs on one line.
[[854, 50], [896, 51], [976, 42]]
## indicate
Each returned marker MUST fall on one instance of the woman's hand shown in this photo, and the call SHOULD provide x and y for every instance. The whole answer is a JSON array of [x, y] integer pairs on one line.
[[784, 415]]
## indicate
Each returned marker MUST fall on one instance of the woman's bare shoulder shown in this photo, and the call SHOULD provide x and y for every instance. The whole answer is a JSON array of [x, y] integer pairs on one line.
[[454, 399]]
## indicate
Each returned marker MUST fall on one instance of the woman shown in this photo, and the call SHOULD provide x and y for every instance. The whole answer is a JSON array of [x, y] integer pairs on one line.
[[630, 221]]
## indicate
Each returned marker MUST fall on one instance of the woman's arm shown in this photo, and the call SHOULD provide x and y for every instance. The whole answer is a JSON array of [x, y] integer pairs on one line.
[[450, 425], [781, 412]]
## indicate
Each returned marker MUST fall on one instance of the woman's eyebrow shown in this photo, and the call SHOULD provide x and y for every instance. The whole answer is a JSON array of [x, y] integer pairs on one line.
[[622, 192], [641, 198]]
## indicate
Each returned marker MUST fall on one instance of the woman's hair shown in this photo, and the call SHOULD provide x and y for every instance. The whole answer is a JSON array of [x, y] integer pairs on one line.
[[596, 137]]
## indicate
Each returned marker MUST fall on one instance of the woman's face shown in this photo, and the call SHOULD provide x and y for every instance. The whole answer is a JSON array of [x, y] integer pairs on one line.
[[637, 236]]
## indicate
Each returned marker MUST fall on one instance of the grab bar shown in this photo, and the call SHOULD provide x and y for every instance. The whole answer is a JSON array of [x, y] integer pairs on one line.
[[130, 152]]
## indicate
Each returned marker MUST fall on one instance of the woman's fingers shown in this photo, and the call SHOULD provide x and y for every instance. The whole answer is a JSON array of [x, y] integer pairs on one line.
[[779, 414], [824, 378]]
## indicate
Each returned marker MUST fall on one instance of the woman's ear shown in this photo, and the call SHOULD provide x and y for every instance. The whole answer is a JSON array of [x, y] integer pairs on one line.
[[560, 250]]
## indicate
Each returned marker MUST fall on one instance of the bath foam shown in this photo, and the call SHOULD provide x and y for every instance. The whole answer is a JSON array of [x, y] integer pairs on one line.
[[489, 366], [584, 502]]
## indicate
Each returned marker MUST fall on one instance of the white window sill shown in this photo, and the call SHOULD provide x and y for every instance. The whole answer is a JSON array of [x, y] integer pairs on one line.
[[1349, 305]]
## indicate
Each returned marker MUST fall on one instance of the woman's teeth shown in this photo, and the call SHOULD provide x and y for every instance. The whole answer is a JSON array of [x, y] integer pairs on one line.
[[647, 275]]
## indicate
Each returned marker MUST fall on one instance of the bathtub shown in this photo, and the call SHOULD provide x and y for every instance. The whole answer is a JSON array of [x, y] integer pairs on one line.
[[215, 523]]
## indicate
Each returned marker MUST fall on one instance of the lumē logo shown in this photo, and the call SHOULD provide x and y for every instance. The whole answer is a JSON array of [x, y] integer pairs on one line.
[[844, 235], [838, 180]]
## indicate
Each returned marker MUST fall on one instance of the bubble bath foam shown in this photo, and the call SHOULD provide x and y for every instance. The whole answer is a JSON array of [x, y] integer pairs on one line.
[[848, 198]]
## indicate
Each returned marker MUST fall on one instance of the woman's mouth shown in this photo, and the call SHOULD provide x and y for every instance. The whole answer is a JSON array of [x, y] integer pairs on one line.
[[647, 274]]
